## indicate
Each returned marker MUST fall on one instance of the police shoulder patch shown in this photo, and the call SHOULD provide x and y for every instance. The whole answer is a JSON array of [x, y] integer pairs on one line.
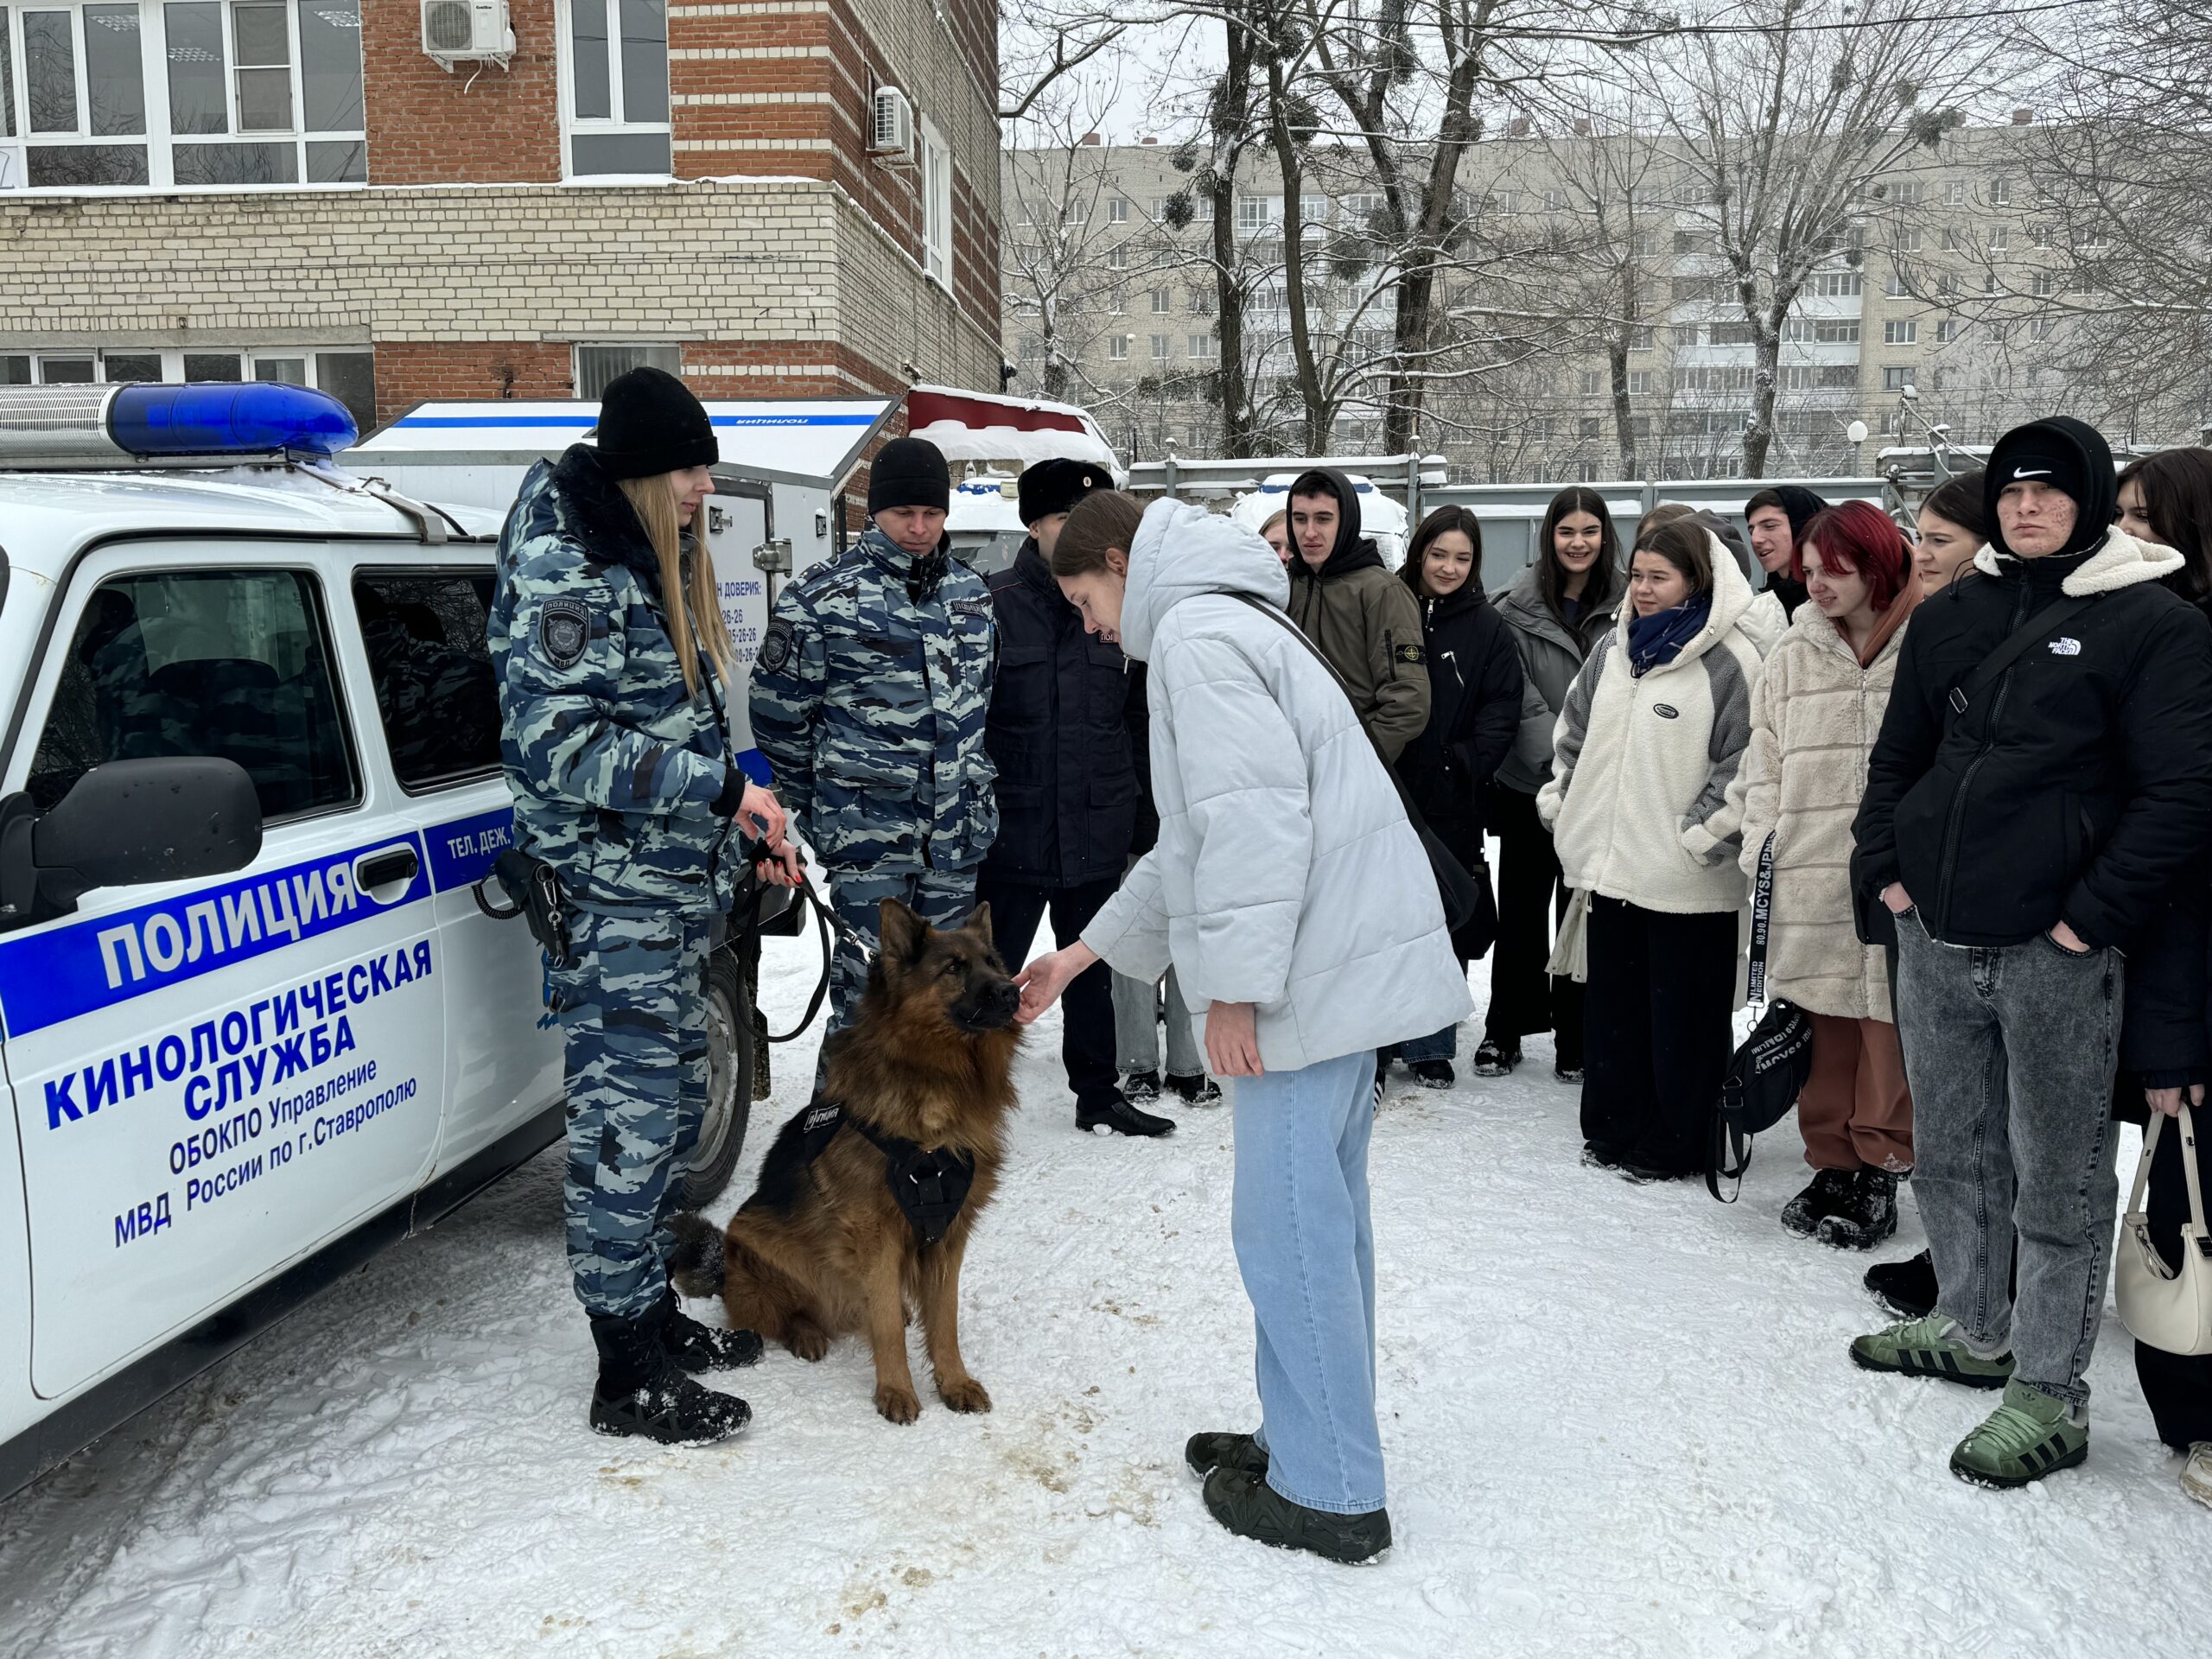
[[776, 645], [1414, 654], [563, 629]]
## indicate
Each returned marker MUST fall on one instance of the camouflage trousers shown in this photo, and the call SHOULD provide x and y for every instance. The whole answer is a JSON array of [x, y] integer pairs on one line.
[[941, 898], [631, 1006]]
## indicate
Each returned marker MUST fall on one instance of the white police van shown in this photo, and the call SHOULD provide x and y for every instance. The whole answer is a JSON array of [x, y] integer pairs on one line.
[[254, 1024]]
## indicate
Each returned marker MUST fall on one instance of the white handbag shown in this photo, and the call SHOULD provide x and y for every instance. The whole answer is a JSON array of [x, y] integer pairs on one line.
[[2167, 1310]]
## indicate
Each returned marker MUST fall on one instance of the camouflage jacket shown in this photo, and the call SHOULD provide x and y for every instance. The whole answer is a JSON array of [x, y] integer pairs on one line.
[[618, 772], [869, 699]]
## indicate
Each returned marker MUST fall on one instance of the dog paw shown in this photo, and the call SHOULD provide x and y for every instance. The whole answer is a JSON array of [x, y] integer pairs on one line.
[[807, 1341], [966, 1395], [897, 1402]]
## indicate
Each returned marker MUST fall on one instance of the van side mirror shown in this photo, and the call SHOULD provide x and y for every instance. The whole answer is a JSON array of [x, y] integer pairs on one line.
[[123, 823]]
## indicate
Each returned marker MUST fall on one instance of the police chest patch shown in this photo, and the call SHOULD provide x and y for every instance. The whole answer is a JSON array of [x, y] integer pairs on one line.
[[776, 645], [1413, 654], [563, 628]]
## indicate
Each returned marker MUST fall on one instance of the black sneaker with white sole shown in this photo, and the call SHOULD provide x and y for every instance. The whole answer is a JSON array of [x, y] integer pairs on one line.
[[1496, 1059]]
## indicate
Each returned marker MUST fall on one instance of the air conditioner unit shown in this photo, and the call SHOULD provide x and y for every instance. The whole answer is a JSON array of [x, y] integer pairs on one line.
[[454, 29], [891, 132]]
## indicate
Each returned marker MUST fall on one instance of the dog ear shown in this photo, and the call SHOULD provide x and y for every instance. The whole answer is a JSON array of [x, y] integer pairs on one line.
[[980, 923], [900, 930]]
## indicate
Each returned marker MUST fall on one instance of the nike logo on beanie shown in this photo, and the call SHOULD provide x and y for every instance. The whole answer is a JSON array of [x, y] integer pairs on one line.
[[2025, 472]]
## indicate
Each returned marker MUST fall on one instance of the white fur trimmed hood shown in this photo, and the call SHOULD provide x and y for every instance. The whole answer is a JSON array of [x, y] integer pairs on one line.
[[2121, 562]]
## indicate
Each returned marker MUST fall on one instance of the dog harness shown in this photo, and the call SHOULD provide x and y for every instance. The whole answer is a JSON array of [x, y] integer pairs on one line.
[[930, 1188]]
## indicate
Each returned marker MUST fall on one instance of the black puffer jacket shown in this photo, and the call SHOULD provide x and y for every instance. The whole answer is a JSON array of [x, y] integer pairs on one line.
[[1066, 728], [1474, 711], [2076, 786]]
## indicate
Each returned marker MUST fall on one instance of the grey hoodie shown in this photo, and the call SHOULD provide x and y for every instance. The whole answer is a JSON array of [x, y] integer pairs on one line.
[[1551, 655], [1287, 874]]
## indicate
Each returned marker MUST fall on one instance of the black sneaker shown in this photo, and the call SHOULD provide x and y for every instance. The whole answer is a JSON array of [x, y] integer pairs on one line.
[[1496, 1059], [1199, 1091], [1432, 1074], [1906, 1288], [1249, 1507], [1117, 1116], [1140, 1086], [1643, 1174], [1869, 1213], [1568, 1074], [1597, 1157], [640, 1391], [693, 1347], [1207, 1453], [1826, 1195]]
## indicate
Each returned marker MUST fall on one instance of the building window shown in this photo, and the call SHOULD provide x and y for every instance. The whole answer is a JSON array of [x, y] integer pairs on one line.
[[1593, 382], [1639, 383], [1592, 426], [1158, 302], [1954, 193], [2046, 284], [1910, 195], [1159, 349], [2042, 328], [1835, 284], [1901, 334], [347, 373], [1117, 256], [615, 91], [1947, 331], [1117, 211], [1117, 347], [1835, 333], [597, 364], [1731, 334], [1997, 239], [1257, 213], [2000, 193], [1201, 208], [1909, 239], [936, 206], [1641, 338], [132, 93], [1897, 379], [1201, 345], [1117, 301]]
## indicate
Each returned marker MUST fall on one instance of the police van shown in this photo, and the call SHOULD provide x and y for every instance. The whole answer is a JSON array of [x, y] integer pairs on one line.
[[255, 1022]]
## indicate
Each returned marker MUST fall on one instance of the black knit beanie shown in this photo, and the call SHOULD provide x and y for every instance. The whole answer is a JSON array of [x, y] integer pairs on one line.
[[1800, 505], [650, 423], [2067, 454], [909, 473], [1055, 486]]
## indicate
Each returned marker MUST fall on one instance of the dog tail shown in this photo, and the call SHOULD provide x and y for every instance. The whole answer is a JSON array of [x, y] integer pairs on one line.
[[695, 1265]]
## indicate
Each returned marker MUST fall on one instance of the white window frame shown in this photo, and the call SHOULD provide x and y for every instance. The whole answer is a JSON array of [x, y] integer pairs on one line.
[[1901, 332], [674, 348], [574, 126], [936, 186], [1117, 211], [158, 141], [1162, 346], [1117, 348]]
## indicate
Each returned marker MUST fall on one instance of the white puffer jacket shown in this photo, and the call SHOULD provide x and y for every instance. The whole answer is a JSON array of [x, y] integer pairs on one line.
[[1813, 722], [1638, 802], [1286, 875]]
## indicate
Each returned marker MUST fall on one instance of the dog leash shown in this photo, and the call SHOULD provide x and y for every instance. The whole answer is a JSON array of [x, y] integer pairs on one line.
[[825, 920]]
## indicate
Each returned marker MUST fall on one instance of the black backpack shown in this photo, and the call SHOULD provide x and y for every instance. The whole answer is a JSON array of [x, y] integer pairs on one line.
[[1767, 1073]]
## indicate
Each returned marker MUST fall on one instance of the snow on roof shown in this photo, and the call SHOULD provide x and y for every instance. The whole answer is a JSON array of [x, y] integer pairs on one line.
[[814, 441], [978, 426]]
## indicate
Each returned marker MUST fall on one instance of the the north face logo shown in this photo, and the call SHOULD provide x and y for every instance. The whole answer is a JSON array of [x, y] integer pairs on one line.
[[2066, 645]]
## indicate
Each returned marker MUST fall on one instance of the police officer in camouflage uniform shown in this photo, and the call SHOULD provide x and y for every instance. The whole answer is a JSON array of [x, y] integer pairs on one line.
[[869, 699], [609, 650]]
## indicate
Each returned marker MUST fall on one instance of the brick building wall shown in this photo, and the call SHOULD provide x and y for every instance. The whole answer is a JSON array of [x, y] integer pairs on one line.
[[783, 258]]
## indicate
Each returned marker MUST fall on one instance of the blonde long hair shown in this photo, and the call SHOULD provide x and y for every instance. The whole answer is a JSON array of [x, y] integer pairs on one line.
[[685, 598]]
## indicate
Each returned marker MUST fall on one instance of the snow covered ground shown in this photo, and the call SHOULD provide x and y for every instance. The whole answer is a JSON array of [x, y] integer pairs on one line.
[[1619, 1420]]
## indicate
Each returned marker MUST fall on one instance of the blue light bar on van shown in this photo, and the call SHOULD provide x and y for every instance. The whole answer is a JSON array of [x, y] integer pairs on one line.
[[84, 425], [219, 419]]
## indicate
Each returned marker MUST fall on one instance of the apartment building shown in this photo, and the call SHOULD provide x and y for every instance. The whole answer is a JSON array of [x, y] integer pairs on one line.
[[1109, 289], [399, 200]]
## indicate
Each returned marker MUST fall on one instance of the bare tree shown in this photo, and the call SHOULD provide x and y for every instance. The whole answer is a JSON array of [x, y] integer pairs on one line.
[[1057, 279]]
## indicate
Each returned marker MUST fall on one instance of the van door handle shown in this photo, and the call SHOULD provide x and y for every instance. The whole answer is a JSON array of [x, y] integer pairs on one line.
[[394, 867]]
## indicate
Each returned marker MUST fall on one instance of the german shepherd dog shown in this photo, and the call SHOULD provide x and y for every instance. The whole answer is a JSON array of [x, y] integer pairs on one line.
[[822, 1247]]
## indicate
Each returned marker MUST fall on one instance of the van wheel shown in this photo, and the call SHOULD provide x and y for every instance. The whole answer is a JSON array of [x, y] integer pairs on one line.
[[730, 1085]]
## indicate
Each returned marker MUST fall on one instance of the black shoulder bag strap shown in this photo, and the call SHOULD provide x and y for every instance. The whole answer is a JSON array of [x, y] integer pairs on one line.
[[1457, 890], [1762, 920], [2031, 633]]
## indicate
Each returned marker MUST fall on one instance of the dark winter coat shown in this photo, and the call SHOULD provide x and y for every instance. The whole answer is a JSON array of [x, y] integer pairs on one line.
[[1474, 710], [1066, 725], [1552, 654], [1367, 625], [2076, 786]]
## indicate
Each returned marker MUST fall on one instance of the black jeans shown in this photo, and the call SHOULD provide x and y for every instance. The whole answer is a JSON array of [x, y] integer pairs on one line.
[[1087, 1005], [1661, 990], [1524, 997], [2176, 1387]]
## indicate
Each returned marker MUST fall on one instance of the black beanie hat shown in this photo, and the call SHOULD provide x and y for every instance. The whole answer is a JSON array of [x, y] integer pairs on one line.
[[650, 423], [2068, 455], [909, 473], [1055, 486]]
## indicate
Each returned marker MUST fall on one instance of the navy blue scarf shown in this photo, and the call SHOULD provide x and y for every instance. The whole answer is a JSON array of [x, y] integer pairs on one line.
[[1655, 640]]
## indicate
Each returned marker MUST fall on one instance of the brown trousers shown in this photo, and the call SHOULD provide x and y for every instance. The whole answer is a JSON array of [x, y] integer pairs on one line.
[[1855, 1111]]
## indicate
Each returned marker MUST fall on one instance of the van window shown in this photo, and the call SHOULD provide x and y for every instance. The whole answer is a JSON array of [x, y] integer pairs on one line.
[[233, 663], [424, 634]]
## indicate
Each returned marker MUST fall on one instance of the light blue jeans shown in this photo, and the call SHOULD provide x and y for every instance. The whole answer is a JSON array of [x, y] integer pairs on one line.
[[1307, 1250]]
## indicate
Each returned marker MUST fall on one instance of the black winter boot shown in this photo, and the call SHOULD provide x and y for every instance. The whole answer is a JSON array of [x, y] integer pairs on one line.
[[639, 1390], [1207, 1453], [693, 1347], [1432, 1074], [1141, 1086], [1249, 1507], [1496, 1060], [1868, 1214], [1906, 1288], [1198, 1090], [1831, 1189], [1119, 1117]]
